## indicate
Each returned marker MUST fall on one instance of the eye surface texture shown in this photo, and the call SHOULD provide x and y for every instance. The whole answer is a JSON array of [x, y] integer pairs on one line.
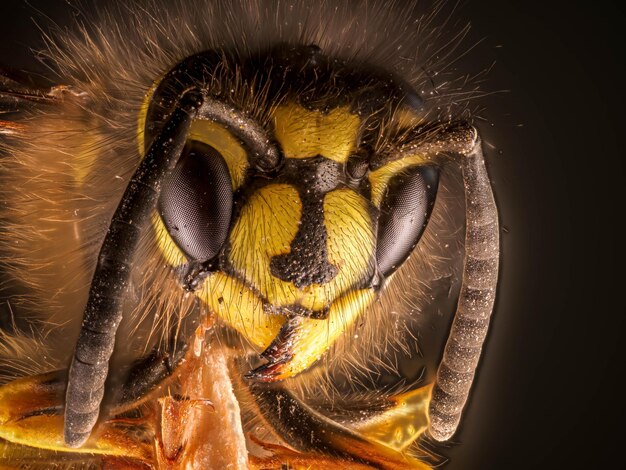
[[404, 213], [196, 202]]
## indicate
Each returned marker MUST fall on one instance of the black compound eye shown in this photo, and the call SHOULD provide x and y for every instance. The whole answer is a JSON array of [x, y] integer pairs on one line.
[[196, 202], [404, 213]]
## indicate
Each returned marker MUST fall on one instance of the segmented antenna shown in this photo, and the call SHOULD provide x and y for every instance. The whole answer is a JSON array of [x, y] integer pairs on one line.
[[103, 313], [478, 289]]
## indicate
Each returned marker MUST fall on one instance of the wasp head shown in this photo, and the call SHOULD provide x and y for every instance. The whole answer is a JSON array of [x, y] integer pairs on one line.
[[287, 223]]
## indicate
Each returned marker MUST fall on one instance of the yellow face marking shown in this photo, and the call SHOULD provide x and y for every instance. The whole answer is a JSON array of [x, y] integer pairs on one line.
[[172, 254], [351, 239], [265, 228], [141, 119], [379, 179], [227, 297], [223, 141], [303, 133], [269, 222], [313, 337], [240, 308]]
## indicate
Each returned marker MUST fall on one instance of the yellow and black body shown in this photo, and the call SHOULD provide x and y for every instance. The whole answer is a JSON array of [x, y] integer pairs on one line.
[[306, 227], [311, 232], [275, 193]]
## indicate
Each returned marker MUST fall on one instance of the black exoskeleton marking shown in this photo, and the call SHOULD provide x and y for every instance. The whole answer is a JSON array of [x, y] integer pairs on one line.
[[303, 74], [307, 262]]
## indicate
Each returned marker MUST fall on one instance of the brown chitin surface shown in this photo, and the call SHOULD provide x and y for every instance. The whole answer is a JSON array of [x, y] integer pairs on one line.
[[202, 428]]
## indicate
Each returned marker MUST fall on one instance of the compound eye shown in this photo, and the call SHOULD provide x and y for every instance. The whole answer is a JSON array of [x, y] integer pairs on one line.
[[196, 202], [404, 213]]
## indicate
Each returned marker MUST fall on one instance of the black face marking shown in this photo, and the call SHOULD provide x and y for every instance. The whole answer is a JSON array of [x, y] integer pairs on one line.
[[193, 273], [196, 202], [404, 213], [283, 72], [365, 88], [307, 262]]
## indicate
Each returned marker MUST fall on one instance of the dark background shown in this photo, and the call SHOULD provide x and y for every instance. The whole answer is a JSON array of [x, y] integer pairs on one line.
[[548, 394]]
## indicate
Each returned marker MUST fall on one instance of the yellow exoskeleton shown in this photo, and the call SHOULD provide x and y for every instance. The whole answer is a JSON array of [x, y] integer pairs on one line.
[[221, 231]]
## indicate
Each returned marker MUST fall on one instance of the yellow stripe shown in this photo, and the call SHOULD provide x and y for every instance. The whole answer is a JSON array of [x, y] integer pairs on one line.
[[351, 238], [303, 133], [240, 308], [379, 179], [313, 337], [141, 118], [223, 141], [265, 228], [172, 254]]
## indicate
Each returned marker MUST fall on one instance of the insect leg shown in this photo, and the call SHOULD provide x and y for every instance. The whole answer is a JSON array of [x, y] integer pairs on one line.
[[149, 371], [476, 299], [18, 92], [18, 89], [89, 367], [307, 430]]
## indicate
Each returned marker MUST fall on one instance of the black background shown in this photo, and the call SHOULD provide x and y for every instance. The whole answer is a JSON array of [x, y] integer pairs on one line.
[[549, 392]]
